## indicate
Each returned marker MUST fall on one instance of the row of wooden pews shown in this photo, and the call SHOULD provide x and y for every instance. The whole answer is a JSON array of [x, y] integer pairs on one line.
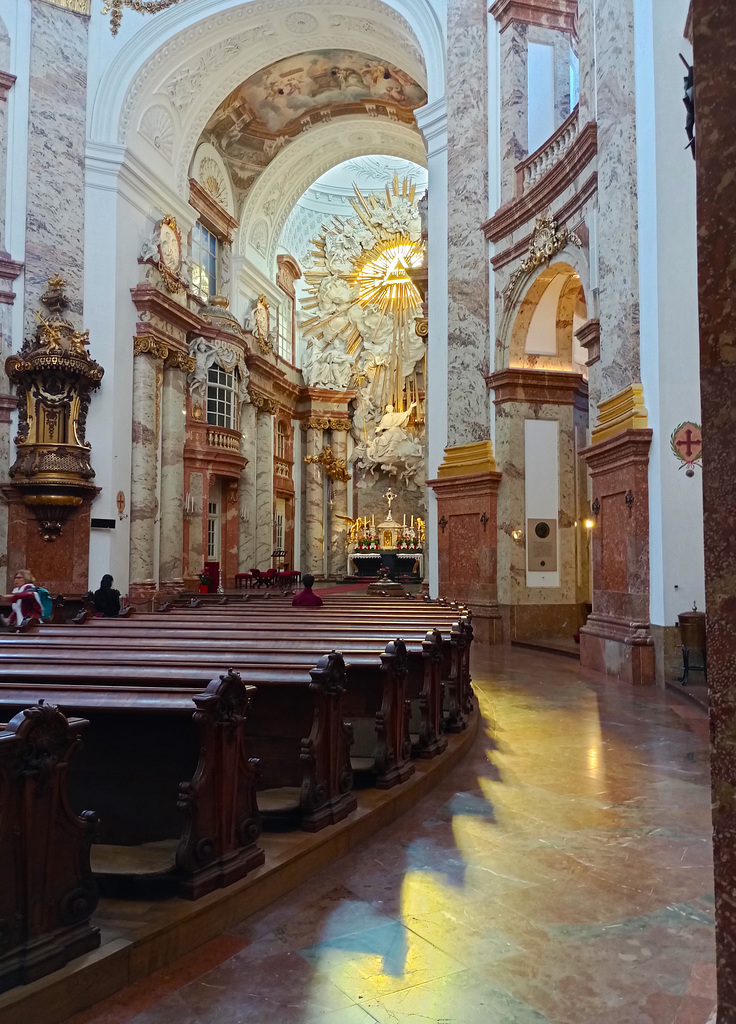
[[280, 739]]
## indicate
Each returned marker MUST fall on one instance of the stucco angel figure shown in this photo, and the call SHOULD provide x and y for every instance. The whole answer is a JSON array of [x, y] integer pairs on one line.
[[259, 318], [244, 383], [204, 356]]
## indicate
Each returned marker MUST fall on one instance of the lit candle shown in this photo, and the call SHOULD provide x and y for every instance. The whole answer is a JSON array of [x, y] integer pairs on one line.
[[373, 520], [412, 522], [404, 523]]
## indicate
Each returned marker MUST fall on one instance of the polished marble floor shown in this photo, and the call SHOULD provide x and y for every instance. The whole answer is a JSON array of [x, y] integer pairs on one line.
[[561, 873]]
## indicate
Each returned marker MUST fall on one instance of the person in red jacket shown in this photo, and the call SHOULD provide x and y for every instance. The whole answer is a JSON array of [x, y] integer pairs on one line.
[[307, 598]]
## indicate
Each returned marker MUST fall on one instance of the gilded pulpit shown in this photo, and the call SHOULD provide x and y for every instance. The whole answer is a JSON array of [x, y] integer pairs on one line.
[[52, 476]]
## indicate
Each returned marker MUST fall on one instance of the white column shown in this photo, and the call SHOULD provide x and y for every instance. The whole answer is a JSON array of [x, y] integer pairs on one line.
[[264, 489], [144, 471], [173, 435], [313, 560], [669, 307], [247, 490]]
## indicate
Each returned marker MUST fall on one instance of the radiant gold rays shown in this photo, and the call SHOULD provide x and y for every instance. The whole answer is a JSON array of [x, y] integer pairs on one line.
[[370, 276]]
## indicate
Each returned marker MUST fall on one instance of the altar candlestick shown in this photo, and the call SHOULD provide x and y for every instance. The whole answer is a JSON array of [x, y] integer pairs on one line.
[[404, 523], [373, 520], [412, 522]]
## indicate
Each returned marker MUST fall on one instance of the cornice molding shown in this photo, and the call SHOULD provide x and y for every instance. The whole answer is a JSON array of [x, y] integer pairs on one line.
[[561, 15], [629, 447], [432, 123], [9, 269], [540, 196], [214, 217], [7, 81], [543, 387], [562, 216], [589, 336]]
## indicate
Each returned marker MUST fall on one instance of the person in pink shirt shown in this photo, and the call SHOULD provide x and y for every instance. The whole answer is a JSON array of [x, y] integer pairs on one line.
[[307, 598]]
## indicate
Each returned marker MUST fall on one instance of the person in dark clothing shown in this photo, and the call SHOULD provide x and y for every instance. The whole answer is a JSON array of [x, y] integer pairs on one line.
[[106, 599], [307, 598]]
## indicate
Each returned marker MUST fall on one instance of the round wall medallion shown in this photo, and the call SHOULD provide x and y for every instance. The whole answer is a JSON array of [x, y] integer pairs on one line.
[[301, 23]]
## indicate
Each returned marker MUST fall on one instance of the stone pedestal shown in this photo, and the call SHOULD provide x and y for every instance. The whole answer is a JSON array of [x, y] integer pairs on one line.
[[617, 638], [61, 565], [466, 534], [714, 48]]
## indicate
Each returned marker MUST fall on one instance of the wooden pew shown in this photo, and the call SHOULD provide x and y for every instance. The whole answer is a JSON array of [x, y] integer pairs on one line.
[[370, 613], [424, 681], [194, 835], [373, 613], [47, 893], [372, 690], [296, 710]]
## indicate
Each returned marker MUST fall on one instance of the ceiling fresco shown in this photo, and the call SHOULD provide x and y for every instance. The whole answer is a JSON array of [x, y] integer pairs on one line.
[[261, 116]]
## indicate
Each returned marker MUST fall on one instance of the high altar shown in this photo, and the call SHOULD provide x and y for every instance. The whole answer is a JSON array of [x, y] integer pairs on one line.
[[390, 545]]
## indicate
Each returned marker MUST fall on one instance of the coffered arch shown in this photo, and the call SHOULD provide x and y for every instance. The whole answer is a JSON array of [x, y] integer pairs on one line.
[[189, 58], [292, 172]]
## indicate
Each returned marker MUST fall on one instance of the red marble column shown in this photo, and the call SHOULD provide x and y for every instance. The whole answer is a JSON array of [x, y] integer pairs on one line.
[[714, 49], [467, 539], [616, 639]]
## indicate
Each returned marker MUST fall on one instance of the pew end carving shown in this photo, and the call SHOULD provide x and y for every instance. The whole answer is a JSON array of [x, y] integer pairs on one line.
[[430, 742], [48, 893], [326, 794], [219, 841]]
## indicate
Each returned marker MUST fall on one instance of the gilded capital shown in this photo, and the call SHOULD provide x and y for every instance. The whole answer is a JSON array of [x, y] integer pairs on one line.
[[144, 344]]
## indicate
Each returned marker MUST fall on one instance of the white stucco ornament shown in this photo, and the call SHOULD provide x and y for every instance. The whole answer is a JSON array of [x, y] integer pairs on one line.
[[362, 334]]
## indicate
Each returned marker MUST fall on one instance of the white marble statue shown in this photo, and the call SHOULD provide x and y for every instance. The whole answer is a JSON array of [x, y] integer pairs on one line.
[[341, 365], [204, 356], [390, 433]]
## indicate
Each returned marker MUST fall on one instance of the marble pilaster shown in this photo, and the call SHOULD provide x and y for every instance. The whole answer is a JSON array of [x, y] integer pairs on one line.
[[264, 490], [313, 556], [56, 147], [467, 272], [714, 54], [586, 54], [173, 436], [247, 490], [6, 83], [336, 565], [513, 105], [618, 271], [522, 394], [144, 470], [196, 534]]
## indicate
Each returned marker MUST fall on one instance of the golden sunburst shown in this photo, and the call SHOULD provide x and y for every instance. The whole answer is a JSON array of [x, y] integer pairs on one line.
[[378, 277]]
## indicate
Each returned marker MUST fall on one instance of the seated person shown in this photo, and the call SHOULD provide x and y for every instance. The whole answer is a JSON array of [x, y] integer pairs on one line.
[[25, 601], [307, 598], [106, 600]]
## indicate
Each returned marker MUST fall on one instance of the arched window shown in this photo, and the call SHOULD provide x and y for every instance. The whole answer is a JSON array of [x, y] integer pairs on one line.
[[205, 261], [280, 440], [222, 403]]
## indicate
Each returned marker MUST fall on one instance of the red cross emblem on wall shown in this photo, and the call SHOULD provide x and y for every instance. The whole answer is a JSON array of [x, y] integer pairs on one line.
[[687, 443]]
